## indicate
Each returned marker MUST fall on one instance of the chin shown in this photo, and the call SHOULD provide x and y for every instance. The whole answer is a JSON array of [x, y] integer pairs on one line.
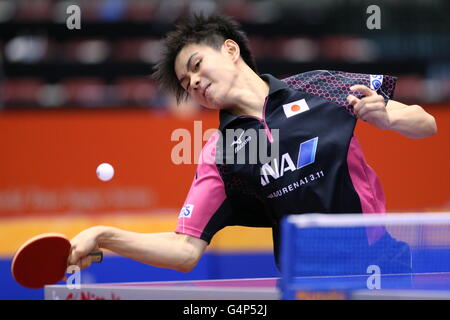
[[212, 106]]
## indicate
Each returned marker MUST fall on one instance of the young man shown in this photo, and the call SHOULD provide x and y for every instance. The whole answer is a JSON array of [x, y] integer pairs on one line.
[[320, 167]]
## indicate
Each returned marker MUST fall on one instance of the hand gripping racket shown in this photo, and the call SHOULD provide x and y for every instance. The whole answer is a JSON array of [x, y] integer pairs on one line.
[[42, 260]]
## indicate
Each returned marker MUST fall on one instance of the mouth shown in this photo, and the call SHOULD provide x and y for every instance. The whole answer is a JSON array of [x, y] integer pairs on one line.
[[205, 92]]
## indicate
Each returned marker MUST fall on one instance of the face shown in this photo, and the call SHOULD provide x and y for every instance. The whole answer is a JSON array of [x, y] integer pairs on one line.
[[208, 74]]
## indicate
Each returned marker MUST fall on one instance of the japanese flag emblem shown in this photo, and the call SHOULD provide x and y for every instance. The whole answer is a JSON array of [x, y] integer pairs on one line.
[[294, 108]]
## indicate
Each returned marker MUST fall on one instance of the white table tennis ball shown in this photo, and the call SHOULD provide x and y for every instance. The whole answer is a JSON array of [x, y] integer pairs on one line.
[[105, 172]]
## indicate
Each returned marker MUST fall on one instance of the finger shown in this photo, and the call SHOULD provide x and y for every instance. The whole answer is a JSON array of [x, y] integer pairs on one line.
[[373, 99], [357, 107], [85, 262], [72, 259], [352, 99], [75, 257], [363, 89], [369, 108], [363, 114]]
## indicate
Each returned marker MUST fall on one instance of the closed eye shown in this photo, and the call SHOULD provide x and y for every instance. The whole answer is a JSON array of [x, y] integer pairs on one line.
[[197, 65], [195, 69]]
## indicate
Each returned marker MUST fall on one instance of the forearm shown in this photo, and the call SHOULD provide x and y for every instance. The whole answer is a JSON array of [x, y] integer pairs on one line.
[[164, 250], [412, 121]]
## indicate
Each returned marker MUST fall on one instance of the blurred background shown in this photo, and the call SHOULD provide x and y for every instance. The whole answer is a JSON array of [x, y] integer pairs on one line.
[[72, 99]]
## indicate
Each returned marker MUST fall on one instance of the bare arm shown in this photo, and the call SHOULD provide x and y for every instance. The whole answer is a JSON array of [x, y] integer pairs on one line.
[[165, 250], [411, 121]]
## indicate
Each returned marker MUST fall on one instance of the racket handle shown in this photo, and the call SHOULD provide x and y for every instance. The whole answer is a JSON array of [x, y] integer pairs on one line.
[[97, 256]]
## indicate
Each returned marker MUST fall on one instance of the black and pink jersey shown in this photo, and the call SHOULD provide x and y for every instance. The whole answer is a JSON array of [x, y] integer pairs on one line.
[[319, 166]]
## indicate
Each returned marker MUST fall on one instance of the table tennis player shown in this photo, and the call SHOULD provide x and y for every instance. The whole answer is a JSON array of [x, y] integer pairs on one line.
[[320, 166]]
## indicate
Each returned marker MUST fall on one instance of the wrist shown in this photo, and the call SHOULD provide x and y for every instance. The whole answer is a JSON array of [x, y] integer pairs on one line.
[[102, 234], [387, 123]]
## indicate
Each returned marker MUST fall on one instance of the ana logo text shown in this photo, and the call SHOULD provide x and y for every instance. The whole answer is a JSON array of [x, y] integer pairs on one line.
[[275, 169]]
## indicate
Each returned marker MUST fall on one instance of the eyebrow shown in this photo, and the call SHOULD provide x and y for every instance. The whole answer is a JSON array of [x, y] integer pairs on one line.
[[188, 65]]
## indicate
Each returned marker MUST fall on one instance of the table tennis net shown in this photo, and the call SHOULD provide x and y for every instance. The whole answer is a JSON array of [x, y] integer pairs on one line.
[[353, 244]]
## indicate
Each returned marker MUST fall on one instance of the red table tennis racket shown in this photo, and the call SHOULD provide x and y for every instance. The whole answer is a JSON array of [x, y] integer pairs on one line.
[[42, 260]]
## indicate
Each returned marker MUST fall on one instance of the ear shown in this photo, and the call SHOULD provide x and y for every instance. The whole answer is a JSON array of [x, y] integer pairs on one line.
[[231, 49]]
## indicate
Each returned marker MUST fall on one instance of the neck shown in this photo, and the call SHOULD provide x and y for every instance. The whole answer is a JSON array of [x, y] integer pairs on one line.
[[251, 95]]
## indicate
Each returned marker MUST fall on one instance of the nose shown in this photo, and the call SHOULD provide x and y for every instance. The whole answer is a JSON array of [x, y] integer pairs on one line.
[[195, 85]]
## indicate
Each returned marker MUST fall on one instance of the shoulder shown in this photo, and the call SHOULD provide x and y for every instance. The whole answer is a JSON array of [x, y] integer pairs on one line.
[[332, 77], [208, 153]]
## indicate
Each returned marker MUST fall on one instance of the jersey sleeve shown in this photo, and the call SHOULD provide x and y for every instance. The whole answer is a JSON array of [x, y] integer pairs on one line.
[[206, 207], [335, 85]]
